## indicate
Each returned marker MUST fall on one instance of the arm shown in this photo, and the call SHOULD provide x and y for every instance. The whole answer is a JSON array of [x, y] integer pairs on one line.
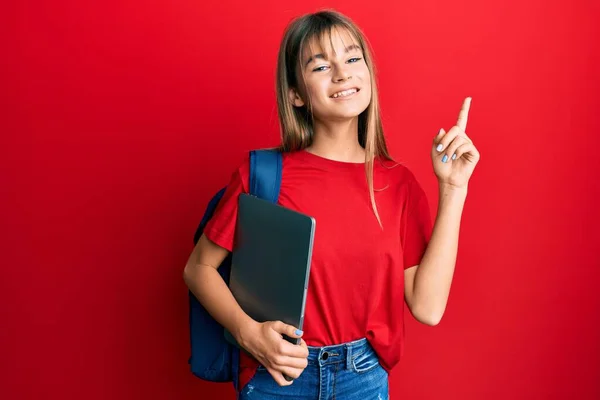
[[427, 285], [262, 340], [203, 280], [454, 158]]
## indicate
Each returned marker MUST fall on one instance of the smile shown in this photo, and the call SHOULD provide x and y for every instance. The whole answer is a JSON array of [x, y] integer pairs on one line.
[[345, 93]]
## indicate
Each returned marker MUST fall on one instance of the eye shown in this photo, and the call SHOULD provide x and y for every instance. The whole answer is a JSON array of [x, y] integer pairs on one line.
[[352, 60]]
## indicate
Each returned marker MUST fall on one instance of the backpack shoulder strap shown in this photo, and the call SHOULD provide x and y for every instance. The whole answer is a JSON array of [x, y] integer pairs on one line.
[[265, 174]]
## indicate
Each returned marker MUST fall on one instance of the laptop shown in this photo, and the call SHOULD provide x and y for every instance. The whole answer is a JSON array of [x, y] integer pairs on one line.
[[270, 264]]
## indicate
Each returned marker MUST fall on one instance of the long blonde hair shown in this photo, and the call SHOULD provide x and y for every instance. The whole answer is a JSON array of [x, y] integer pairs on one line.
[[296, 123]]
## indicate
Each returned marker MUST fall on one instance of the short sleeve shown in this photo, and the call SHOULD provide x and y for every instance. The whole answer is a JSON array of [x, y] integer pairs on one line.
[[220, 229], [416, 227]]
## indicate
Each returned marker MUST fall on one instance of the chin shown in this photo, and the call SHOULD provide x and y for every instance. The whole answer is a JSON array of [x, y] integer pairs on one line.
[[347, 112], [347, 115], [352, 112], [337, 116]]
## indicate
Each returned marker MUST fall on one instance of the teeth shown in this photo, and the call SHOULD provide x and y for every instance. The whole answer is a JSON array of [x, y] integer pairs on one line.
[[344, 93]]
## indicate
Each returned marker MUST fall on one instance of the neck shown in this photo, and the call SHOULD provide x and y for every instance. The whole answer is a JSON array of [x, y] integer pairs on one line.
[[337, 140]]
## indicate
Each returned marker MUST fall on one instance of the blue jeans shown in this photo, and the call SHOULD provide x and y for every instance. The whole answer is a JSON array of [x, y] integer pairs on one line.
[[349, 371]]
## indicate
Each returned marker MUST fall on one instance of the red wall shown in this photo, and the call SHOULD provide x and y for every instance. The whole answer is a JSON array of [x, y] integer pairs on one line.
[[120, 119]]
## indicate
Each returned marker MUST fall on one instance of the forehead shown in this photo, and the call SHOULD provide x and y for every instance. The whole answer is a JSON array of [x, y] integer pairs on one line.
[[333, 41]]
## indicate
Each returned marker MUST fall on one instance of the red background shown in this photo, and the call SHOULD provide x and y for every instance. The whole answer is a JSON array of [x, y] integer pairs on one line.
[[120, 119]]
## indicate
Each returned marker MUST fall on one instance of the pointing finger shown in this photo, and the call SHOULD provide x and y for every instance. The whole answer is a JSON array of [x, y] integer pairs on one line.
[[463, 116]]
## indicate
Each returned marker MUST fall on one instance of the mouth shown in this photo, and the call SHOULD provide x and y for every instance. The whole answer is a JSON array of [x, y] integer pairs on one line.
[[345, 93]]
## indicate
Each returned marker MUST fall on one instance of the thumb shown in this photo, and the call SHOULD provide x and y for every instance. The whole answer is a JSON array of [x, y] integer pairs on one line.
[[438, 137], [286, 329]]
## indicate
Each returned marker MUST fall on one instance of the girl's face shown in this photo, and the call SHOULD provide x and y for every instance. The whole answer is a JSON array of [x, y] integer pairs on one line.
[[336, 79]]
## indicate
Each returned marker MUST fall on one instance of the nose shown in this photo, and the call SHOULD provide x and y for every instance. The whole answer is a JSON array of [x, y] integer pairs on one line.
[[341, 75]]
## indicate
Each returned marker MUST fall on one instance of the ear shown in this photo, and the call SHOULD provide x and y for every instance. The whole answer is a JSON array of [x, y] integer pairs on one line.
[[295, 98]]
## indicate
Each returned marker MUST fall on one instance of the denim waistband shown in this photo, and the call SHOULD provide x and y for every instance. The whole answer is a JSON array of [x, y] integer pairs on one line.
[[338, 353]]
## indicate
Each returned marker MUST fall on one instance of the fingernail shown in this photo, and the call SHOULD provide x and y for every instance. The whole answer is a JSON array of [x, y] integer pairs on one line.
[[454, 156], [441, 130], [445, 158], [439, 147], [299, 332]]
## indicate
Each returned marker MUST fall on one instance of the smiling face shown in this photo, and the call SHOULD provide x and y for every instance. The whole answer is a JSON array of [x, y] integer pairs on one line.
[[333, 77]]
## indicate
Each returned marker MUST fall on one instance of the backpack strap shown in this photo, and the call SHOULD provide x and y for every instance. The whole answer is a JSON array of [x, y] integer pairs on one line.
[[265, 173], [265, 180]]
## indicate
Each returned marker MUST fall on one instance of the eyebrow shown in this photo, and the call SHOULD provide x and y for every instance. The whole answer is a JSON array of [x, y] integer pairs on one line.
[[322, 56]]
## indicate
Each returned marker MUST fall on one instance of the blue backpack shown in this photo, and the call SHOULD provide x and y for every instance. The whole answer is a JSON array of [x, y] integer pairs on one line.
[[212, 357]]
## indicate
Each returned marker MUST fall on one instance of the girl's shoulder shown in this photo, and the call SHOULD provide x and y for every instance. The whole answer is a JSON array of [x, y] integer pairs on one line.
[[397, 170]]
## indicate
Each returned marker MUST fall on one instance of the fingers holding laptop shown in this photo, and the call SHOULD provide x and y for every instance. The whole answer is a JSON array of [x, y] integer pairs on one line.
[[276, 354], [286, 361]]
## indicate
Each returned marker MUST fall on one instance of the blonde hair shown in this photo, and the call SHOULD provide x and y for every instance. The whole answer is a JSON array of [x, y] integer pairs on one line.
[[296, 123]]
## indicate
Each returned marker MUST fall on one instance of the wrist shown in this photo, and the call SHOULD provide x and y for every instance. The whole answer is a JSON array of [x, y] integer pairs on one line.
[[448, 189], [451, 198], [245, 331]]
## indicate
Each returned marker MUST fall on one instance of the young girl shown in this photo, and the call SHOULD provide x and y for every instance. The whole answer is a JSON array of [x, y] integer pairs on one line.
[[375, 246]]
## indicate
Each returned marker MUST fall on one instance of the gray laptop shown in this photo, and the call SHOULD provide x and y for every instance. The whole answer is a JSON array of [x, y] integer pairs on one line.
[[271, 261]]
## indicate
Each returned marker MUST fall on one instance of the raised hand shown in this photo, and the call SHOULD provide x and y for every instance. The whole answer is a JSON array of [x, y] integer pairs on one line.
[[453, 154]]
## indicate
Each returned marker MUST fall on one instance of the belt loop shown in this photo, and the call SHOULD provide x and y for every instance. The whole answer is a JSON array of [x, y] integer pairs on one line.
[[348, 356]]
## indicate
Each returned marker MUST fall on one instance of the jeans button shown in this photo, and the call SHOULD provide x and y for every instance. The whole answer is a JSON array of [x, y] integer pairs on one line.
[[325, 356]]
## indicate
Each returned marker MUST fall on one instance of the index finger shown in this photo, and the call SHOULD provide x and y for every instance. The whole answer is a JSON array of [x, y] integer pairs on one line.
[[293, 350], [463, 116]]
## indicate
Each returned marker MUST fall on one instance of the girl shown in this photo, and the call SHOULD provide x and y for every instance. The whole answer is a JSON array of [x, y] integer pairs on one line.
[[375, 246]]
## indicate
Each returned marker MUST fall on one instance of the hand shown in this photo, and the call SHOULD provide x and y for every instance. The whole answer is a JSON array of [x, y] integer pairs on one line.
[[453, 154], [277, 355]]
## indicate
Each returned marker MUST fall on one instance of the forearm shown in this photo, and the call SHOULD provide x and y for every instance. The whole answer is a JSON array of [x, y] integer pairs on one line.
[[212, 292], [433, 277]]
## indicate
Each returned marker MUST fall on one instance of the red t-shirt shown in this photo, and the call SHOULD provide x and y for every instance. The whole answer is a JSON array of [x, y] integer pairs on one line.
[[356, 284]]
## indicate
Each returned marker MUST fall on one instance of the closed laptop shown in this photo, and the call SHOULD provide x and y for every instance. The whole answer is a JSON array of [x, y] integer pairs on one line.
[[271, 261]]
